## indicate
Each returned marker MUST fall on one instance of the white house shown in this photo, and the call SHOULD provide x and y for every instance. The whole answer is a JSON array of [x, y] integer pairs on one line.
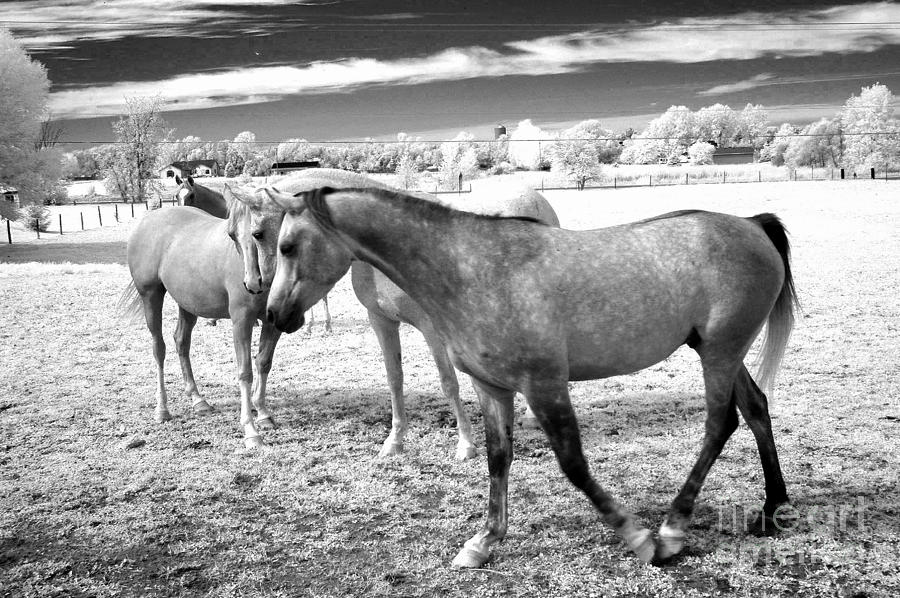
[[186, 168]]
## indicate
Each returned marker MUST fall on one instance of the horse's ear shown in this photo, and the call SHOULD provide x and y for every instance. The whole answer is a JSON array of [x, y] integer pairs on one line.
[[177, 180], [190, 180], [285, 201]]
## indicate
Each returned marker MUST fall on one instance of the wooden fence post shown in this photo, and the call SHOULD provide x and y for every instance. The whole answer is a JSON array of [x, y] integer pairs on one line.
[[117, 211], [37, 227], [82, 219], [8, 232], [60, 225], [99, 216], [132, 209]]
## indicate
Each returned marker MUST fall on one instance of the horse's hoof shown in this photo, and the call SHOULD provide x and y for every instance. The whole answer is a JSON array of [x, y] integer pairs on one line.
[[470, 559], [390, 449], [466, 451], [163, 416], [266, 423], [642, 544], [201, 407], [254, 442], [671, 542]]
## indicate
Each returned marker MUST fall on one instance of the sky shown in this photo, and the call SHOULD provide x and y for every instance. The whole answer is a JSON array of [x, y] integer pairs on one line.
[[352, 69]]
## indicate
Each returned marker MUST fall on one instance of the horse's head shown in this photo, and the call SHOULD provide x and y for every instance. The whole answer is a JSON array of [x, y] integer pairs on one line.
[[310, 259], [184, 194], [239, 208]]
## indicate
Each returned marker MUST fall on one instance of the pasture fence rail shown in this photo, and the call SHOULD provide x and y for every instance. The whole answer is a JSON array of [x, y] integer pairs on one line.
[[67, 223]]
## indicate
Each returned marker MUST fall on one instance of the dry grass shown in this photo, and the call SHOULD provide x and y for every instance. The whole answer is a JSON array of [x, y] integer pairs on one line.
[[190, 513]]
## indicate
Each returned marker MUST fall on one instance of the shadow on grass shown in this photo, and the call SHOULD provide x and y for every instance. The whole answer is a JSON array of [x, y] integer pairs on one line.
[[73, 253]]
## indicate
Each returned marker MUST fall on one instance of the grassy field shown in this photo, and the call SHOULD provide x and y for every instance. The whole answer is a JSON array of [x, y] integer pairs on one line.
[[99, 500]]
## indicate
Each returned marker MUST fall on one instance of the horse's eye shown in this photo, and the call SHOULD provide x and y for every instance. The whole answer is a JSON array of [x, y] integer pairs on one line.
[[287, 249], [258, 235]]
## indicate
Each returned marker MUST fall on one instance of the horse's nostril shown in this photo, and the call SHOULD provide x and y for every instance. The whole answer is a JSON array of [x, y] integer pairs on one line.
[[270, 316]]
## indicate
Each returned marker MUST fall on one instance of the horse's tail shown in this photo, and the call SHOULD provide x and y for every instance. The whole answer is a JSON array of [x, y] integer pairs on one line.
[[130, 304], [781, 318]]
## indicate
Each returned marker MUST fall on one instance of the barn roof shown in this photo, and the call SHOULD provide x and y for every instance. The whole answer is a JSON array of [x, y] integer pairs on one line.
[[184, 164]]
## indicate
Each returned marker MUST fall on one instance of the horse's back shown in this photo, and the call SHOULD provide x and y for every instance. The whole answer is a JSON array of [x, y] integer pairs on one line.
[[504, 198]]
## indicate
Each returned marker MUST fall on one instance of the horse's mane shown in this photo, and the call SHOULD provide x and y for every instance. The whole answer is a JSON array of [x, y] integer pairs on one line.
[[237, 210], [315, 202]]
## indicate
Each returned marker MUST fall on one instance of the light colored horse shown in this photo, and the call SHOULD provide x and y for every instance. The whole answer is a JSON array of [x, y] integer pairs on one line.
[[387, 305], [526, 307], [211, 285]]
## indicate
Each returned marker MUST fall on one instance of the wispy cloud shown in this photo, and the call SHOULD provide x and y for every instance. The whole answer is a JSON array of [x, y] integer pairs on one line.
[[39, 24], [751, 83], [840, 30]]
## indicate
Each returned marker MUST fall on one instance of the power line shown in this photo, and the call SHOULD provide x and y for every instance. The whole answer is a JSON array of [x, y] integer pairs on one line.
[[773, 135]]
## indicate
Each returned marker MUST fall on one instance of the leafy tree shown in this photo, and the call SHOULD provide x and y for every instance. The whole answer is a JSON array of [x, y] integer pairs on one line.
[[717, 124], [130, 167], [870, 129], [701, 152], [458, 159], [751, 126], [26, 162], [774, 150], [817, 144], [577, 159]]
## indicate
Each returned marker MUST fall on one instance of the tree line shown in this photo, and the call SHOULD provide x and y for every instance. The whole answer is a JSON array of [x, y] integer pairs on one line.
[[863, 134]]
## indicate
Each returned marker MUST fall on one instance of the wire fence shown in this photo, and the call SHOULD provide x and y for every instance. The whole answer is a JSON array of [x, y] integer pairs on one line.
[[98, 211]]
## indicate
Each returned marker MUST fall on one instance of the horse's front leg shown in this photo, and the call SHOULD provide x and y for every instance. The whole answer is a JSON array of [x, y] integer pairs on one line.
[[388, 334], [242, 327], [268, 339], [497, 409]]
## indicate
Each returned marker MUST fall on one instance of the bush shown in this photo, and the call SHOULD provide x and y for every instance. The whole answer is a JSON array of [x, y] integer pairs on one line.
[[36, 217], [56, 196]]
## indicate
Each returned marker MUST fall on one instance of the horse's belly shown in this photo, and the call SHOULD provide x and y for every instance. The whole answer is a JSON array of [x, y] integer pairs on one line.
[[198, 297], [595, 358]]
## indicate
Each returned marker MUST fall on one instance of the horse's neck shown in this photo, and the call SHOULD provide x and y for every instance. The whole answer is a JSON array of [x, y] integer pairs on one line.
[[408, 247]]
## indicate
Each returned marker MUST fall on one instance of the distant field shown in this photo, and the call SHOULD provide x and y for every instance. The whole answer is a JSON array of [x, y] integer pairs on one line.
[[190, 512]]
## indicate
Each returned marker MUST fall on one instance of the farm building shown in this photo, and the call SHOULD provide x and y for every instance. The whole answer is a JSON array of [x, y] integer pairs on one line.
[[10, 194], [734, 155], [185, 168], [286, 167]]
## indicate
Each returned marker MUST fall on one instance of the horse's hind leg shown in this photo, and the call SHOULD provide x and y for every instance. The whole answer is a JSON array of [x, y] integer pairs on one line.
[[721, 422], [754, 407], [268, 339], [497, 408], [153, 303], [549, 399], [465, 448], [388, 334], [242, 327], [186, 321], [327, 314]]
